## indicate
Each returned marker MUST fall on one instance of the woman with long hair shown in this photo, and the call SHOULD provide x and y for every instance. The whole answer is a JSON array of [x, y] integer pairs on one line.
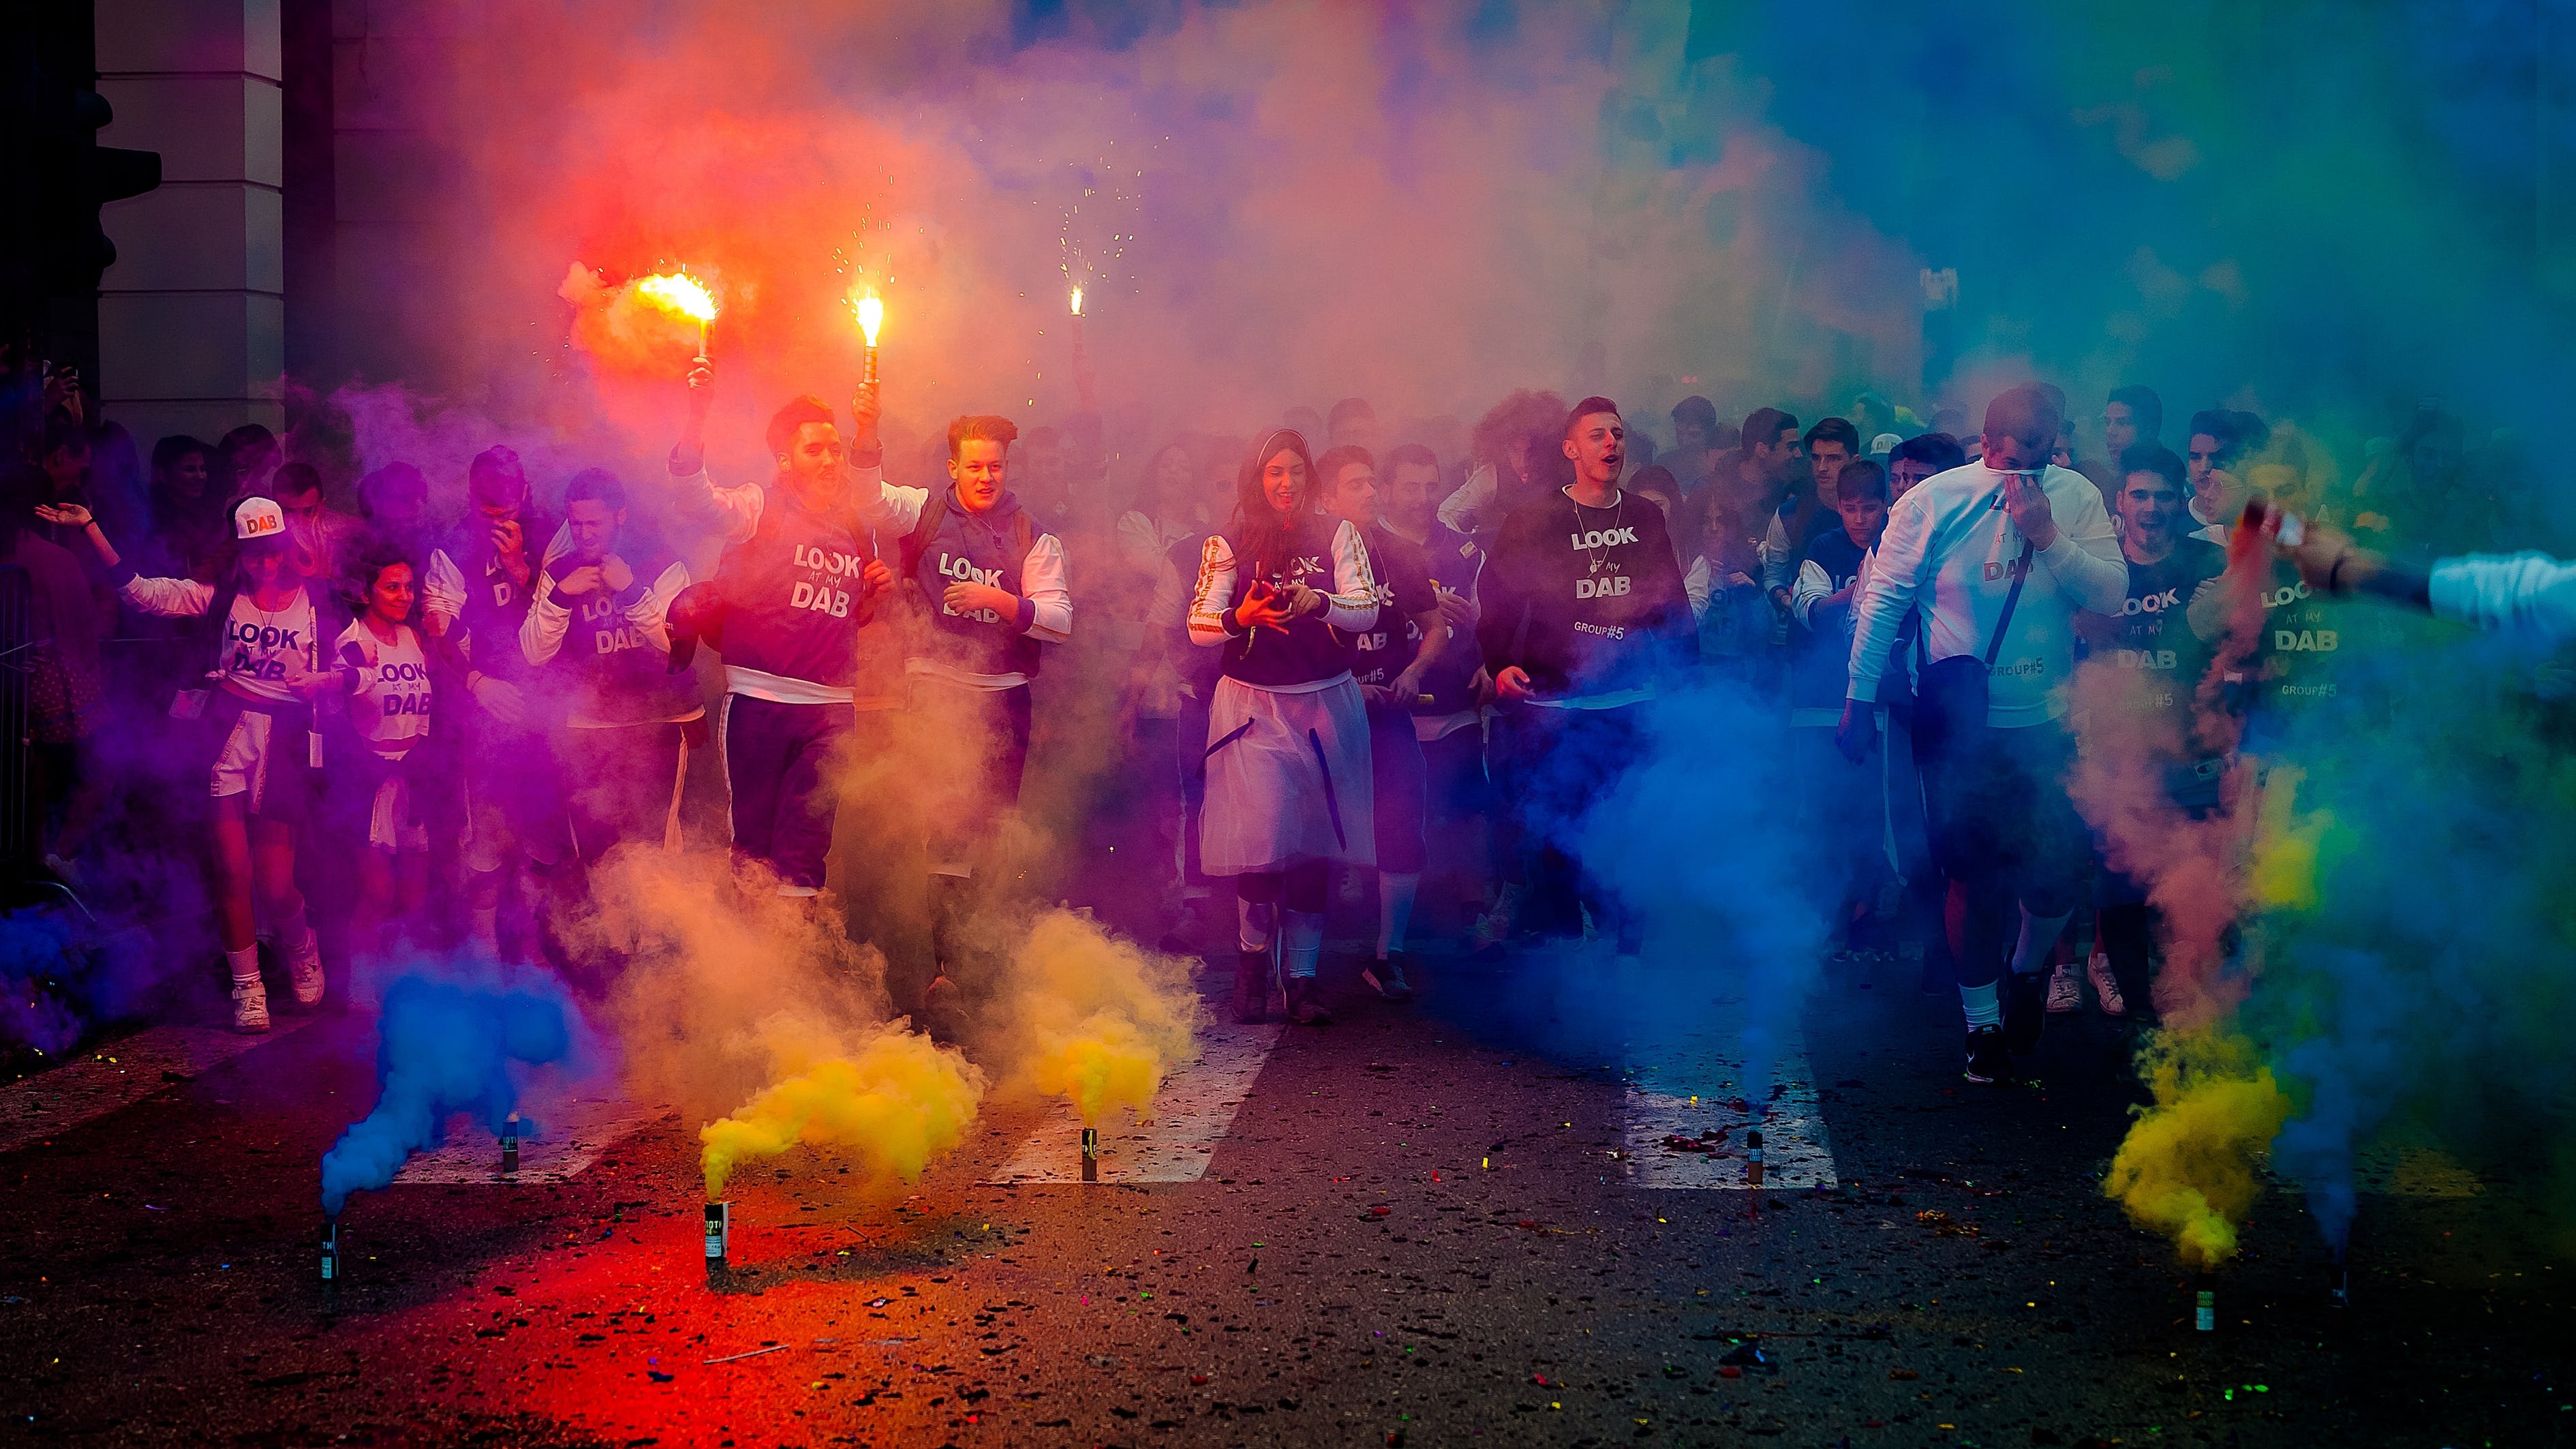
[[256, 711], [1288, 780], [376, 805]]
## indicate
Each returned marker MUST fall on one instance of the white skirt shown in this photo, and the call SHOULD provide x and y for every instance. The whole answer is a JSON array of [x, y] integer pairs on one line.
[[1287, 779]]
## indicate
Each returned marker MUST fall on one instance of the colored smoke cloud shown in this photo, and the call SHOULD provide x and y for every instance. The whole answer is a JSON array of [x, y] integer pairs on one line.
[[1096, 1019], [445, 1047], [2191, 1165], [1705, 834], [756, 1014], [894, 1104]]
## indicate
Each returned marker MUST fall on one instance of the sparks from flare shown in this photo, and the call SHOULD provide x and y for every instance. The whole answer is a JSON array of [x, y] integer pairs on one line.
[[681, 295]]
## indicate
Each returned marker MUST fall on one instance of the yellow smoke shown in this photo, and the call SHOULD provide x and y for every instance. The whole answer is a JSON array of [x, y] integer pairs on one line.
[[895, 1103], [1101, 1020], [718, 979], [2189, 1165], [2287, 844]]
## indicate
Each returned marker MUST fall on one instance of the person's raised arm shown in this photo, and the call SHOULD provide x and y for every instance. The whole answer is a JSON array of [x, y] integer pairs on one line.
[[168, 598], [2071, 536], [1465, 509], [733, 512]]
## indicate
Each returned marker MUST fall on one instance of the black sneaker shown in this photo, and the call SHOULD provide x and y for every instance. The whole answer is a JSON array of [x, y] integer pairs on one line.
[[2025, 1010], [1988, 1061]]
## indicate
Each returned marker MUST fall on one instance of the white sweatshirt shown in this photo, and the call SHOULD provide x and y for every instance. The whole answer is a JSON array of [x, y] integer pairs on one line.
[[2524, 593], [1950, 547]]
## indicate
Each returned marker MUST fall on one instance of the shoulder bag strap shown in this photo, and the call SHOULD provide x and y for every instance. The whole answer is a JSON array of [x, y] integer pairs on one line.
[[2021, 573]]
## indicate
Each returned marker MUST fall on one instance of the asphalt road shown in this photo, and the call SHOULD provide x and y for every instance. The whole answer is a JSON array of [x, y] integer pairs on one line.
[[1424, 1225]]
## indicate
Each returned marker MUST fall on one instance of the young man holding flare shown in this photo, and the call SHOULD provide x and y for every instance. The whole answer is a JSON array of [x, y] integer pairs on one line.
[[800, 572]]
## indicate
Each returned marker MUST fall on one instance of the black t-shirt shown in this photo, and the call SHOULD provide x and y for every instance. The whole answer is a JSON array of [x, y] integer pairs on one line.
[[1380, 652], [2153, 637], [1587, 600], [2302, 642]]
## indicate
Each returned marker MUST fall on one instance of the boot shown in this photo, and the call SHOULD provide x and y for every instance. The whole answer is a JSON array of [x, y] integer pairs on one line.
[[1306, 1004], [1251, 987]]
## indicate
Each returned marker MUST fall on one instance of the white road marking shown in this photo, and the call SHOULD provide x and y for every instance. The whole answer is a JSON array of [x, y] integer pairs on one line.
[[579, 1126], [120, 1074], [1659, 1105], [1190, 1116]]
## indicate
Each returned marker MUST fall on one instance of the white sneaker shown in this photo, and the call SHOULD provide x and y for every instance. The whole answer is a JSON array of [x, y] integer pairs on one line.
[[2106, 987], [305, 972], [2065, 998], [250, 1007]]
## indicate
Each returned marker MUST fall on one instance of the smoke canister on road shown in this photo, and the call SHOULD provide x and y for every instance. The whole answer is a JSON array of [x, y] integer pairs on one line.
[[1091, 1154], [719, 1233]]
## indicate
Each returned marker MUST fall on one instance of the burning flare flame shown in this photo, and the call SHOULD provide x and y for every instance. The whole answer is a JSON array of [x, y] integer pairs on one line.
[[1077, 301], [871, 310], [680, 294]]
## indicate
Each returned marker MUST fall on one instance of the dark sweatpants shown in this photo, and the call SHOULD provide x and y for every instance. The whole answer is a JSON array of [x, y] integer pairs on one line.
[[1556, 764], [775, 755], [2006, 833], [1399, 787]]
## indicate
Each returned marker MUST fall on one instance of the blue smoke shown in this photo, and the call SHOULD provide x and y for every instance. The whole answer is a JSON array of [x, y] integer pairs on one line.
[[2423, 1000], [444, 1048], [1702, 834]]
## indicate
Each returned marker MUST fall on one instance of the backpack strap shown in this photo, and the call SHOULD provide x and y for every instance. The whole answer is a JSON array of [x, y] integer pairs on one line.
[[934, 512]]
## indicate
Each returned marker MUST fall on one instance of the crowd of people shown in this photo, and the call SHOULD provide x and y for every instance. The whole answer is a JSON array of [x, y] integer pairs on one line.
[[1354, 665]]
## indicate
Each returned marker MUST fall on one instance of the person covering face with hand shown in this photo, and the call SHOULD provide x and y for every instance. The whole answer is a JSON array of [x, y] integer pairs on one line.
[[2000, 556]]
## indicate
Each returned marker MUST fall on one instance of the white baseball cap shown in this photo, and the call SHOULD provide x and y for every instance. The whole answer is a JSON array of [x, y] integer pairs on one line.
[[1883, 444], [255, 518]]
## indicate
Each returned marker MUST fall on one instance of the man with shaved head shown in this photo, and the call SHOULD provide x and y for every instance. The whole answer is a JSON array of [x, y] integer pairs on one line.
[[1999, 556]]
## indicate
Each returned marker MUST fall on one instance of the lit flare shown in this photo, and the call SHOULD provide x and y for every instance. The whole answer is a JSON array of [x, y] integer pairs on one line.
[[679, 294]]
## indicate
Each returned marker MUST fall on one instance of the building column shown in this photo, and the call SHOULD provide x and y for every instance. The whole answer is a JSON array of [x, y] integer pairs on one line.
[[192, 318]]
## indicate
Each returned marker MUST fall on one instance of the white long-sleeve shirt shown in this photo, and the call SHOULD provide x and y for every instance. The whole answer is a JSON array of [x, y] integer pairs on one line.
[[1950, 545], [735, 510], [2526, 593]]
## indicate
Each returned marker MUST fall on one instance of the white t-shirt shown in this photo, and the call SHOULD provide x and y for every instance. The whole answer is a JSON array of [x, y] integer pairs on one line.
[[390, 707], [1949, 549], [265, 653]]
